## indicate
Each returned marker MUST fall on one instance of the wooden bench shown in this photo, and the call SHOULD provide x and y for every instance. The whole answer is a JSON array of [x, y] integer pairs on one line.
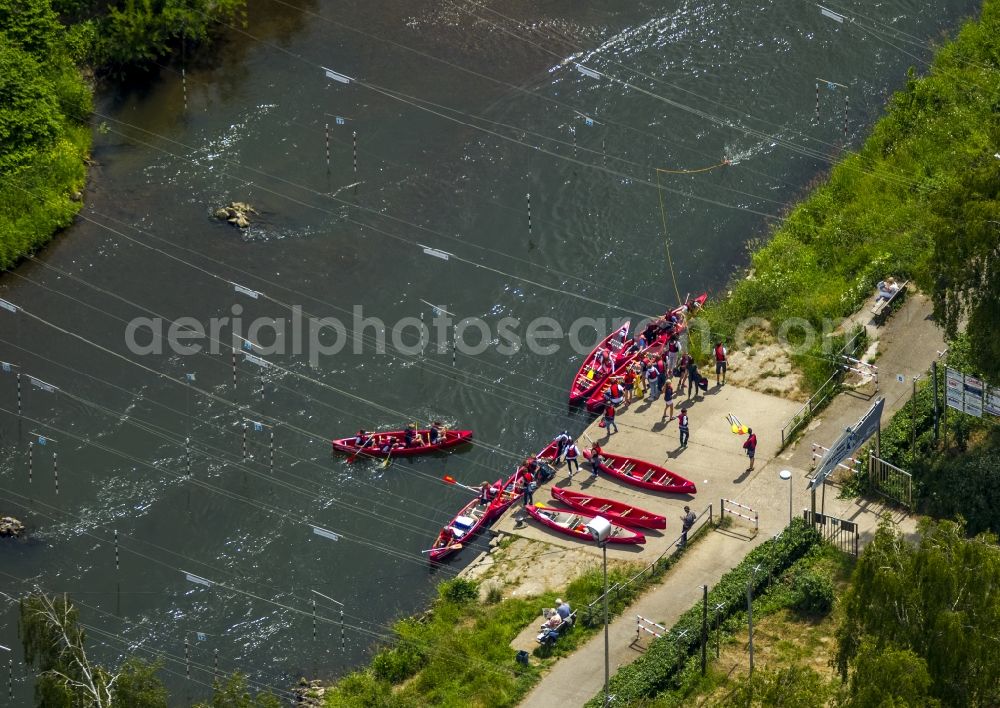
[[882, 308], [547, 639]]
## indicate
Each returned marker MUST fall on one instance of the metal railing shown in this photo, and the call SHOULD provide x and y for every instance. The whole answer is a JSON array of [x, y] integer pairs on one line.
[[890, 481], [732, 512], [823, 394], [671, 550], [644, 625], [840, 533]]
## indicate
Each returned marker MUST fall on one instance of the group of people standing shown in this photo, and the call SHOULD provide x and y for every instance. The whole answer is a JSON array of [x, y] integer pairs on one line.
[[653, 374]]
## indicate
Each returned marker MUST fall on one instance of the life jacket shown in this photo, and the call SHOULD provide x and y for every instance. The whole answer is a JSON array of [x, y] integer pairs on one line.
[[572, 452], [720, 353], [615, 391], [673, 347], [609, 411], [682, 421]]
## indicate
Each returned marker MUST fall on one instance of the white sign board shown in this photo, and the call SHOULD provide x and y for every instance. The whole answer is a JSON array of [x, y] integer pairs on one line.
[[967, 393], [991, 404], [851, 439]]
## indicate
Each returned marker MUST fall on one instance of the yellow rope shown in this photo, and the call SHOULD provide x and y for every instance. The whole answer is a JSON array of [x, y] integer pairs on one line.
[[691, 172], [663, 214], [666, 241]]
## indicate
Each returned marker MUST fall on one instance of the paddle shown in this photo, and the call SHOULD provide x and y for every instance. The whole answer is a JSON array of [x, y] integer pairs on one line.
[[388, 457], [451, 480], [452, 547], [362, 447]]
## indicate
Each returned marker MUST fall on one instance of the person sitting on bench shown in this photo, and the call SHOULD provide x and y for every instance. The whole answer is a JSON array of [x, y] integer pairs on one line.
[[887, 289]]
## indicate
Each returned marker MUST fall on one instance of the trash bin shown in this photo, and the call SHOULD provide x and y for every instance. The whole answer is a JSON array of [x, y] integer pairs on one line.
[[521, 657]]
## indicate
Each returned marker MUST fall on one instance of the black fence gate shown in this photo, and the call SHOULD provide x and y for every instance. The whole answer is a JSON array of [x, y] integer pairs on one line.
[[840, 533]]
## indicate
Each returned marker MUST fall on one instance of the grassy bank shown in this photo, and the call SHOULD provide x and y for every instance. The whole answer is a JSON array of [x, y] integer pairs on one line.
[[890, 208], [45, 103], [459, 652]]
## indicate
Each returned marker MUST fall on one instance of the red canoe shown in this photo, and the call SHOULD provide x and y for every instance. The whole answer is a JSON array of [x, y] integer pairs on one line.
[[640, 473], [613, 510], [572, 523], [473, 516], [464, 526], [449, 438], [595, 400], [588, 378]]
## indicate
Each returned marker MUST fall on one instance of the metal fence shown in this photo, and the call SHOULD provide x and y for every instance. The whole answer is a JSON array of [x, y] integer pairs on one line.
[[824, 393], [650, 570], [840, 533], [890, 481]]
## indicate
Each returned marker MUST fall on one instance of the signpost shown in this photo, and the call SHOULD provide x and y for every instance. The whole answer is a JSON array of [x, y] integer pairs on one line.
[[969, 394], [850, 440]]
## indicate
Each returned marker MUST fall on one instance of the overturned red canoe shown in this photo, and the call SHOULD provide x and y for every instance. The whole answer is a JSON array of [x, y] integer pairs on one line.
[[573, 523], [591, 374], [640, 473], [374, 444], [617, 512]]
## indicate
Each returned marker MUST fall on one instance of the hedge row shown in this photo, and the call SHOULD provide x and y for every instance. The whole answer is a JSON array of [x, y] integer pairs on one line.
[[657, 670]]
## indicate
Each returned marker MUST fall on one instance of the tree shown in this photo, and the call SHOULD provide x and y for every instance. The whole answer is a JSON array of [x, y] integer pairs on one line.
[[235, 694], [966, 254], [29, 114], [889, 677], [937, 601], [53, 643]]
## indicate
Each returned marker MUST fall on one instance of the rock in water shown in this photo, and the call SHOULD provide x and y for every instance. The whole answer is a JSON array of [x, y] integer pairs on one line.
[[237, 214], [10, 527]]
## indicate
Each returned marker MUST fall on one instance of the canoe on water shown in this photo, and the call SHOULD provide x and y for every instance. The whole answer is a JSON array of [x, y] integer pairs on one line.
[[640, 473], [473, 516], [589, 377], [595, 399], [449, 438], [573, 523], [617, 512], [466, 524]]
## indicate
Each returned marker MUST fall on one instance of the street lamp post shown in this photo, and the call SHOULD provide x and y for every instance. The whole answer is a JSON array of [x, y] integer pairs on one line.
[[787, 476], [600, 529]]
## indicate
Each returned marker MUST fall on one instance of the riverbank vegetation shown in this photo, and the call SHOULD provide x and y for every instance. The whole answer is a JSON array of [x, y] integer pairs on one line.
[[919, 200], [46, 50], [55, 646], [900, 627]]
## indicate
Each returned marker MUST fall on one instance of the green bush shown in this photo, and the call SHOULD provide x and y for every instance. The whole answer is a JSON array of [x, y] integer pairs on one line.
[[658, 669], [459, 591], [814, 593]]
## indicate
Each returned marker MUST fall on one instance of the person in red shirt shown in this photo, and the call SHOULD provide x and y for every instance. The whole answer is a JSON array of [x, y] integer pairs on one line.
[[595, 460], [751, 447], [609, 417], [721, 363]]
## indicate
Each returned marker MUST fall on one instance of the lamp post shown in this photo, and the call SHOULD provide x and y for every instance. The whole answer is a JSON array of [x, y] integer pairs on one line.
[[600, 529], [787, 476]]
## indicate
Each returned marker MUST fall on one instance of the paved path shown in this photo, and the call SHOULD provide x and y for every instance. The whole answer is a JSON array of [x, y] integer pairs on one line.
[[908, 344]]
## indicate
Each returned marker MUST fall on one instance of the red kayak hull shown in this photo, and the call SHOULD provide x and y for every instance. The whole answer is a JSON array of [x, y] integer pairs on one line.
[[640, 473], [617, 512], [451, 438], [582, 385], [571, 523], [595, 401]]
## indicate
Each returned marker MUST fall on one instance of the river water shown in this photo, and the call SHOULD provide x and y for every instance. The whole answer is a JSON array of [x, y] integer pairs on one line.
[[460, 112]]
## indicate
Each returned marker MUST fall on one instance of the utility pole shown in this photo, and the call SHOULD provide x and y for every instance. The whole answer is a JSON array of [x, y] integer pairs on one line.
[[704, 629]]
